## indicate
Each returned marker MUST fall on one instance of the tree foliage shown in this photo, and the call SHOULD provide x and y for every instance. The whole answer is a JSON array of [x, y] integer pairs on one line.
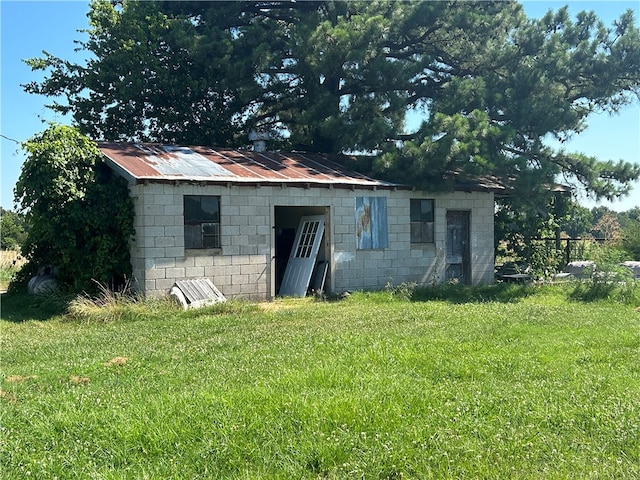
[[489, 84], [341, 76], [80, 214], [629, 232], [631, 239], [13, 230], [577, 221]]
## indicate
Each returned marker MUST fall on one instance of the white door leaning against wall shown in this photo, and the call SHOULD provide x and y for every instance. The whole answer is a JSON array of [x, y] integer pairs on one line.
[[303, 256]]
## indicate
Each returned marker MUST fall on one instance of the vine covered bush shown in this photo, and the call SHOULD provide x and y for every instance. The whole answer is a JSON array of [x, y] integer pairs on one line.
[[80, 213]]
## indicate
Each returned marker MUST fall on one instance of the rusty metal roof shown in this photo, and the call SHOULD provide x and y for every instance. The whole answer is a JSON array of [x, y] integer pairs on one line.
[[168, 163]]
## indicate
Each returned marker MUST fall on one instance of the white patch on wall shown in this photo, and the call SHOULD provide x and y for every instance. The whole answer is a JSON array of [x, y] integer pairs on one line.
[[343, 257]]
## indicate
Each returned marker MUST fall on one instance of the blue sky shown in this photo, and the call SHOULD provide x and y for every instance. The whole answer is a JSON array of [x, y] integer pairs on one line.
[[28, 27]]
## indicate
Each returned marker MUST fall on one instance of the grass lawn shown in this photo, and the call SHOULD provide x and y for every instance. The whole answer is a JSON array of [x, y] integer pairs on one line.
[[496, 384]]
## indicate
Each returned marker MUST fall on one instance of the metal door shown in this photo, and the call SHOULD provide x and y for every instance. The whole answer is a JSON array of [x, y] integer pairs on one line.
[[303, 256], [458, 247]]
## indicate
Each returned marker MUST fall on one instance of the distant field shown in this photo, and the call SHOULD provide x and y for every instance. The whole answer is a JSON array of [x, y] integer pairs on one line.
[[508, 382], [10, 262]]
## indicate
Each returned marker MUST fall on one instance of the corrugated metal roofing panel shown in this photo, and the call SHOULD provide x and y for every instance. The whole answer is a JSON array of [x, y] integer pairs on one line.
[[173, 160], [168, 163], [198, 292]]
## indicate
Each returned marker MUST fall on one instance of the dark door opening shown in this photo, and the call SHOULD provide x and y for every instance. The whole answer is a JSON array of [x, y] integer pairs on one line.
[[458, 247], [287, 220]]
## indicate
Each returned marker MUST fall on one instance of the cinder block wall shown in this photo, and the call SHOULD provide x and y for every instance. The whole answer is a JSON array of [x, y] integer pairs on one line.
[[402, 261], [242, 267]]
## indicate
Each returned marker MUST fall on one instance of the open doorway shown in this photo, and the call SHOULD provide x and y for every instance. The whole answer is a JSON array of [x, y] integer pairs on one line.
[[287, 222]]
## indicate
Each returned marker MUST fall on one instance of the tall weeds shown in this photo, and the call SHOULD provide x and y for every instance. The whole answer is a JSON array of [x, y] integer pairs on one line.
[[613, 283], [111, 306]]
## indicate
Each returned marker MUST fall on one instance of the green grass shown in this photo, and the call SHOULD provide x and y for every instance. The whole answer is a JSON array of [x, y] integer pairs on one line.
[[493, 383]]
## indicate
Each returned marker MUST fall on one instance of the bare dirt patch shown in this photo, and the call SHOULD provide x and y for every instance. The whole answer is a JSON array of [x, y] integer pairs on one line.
[[77, 380], [19, 378], [116, 361], [8, 396]]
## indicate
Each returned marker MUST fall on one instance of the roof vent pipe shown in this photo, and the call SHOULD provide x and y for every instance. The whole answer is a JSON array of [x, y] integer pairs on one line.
[[259, 140]]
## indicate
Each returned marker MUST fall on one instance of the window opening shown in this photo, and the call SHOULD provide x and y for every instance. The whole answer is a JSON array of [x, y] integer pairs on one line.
[[201, 221], [422, 220]]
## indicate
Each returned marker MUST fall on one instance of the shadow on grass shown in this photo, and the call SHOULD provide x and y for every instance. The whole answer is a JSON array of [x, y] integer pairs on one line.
[[452, 293], [21, 307]]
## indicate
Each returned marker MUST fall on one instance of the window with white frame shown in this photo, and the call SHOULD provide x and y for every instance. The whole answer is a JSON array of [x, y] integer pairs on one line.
[[201, 221], [422, 220]]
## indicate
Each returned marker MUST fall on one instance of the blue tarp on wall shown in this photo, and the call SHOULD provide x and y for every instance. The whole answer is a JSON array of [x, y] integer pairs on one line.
[[371, 222]]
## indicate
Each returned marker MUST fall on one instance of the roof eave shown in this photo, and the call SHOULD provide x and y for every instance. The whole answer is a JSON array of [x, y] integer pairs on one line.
[[120, 170], [229, 181]]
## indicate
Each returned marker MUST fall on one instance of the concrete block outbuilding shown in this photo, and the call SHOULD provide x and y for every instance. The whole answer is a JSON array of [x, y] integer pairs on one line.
[[264, 224]]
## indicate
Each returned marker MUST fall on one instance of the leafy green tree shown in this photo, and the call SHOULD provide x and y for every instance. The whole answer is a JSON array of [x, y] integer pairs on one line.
[[13, 230], [341, 76], [150, 76], [629, 217], [630, 232], [577, 221], [80, 213], [331, 76], [528, 231], [631, 239]]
